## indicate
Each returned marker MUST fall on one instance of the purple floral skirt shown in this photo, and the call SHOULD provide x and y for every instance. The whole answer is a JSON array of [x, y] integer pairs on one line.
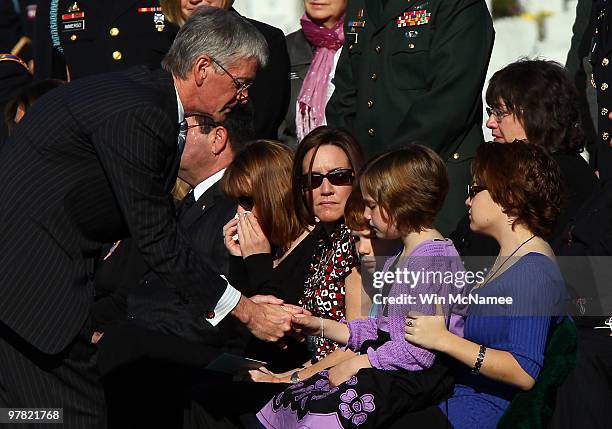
[[372, 398]]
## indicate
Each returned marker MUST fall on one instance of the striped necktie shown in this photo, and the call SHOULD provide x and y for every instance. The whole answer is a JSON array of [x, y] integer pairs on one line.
[[182, 138]]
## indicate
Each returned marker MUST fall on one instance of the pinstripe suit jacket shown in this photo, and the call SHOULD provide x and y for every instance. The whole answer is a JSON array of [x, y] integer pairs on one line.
[[88, 165]]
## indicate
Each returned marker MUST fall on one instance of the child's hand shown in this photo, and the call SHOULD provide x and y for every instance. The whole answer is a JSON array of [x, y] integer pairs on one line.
[[345, 370]]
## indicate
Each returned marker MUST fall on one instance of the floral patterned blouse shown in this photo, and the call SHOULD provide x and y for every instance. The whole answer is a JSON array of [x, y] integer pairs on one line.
[[324, 295]]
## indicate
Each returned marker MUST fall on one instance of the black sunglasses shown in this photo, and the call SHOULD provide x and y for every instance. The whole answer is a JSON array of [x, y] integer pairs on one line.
[[339, 177], [472, 190], [245, 202]]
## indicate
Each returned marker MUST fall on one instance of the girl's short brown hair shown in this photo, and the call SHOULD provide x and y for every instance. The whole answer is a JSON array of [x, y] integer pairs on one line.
[[318, 137], [262, 171], [524, 180], [409, 185]]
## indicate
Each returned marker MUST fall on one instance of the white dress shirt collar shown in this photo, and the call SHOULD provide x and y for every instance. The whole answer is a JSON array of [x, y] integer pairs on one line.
[[181, 109], [204, 186]]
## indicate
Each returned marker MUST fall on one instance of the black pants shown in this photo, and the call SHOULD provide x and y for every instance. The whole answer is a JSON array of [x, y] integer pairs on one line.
[[585, 398], [68, 380]]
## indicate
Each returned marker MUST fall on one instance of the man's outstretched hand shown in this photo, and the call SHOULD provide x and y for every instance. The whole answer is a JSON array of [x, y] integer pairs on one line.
[[267, 317]]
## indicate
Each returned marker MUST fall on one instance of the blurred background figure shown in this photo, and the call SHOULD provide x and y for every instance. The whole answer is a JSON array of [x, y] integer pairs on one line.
[[314, 51], [25, 98], [270, 91], [14, 75]]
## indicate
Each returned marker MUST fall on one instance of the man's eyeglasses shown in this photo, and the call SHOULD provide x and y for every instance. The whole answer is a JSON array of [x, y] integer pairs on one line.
[[241, 87], [245, 202], [339, 177], [472, 190], [498, 114], [204, 121]]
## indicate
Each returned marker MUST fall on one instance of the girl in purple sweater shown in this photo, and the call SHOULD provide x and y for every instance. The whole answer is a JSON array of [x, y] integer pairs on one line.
[[403, 190]]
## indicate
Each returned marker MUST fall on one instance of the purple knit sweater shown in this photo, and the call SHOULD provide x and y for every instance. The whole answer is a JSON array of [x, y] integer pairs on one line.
[[429, 256]]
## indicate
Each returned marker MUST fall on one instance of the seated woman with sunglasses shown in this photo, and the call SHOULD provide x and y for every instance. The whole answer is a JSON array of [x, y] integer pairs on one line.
[[516, 200], [324, 169]]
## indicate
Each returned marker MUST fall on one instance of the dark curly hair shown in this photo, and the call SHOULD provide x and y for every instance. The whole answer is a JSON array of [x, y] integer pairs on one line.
[[544, 99], [524, 180]]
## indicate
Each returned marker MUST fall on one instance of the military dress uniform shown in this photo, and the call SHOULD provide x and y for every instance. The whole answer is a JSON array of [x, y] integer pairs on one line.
[[601, 80], [89, 37], [413, 71]]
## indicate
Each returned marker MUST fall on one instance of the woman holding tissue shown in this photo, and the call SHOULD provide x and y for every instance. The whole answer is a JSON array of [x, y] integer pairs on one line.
[[270, 250], [403, 191]]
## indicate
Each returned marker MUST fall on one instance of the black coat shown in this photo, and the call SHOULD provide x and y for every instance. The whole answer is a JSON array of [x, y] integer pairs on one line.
[[270, 91], [129, 291], [90, 164]]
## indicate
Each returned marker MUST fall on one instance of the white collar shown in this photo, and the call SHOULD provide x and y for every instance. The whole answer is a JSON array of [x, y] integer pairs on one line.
[[181, 109], [205, 185]]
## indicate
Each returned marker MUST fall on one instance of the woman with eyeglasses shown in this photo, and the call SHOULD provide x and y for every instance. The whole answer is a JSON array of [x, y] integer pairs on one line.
[[515, 199], [536, 101]]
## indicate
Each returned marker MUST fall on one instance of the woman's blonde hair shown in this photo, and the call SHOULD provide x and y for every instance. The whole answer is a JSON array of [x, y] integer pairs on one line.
[[173, 13]]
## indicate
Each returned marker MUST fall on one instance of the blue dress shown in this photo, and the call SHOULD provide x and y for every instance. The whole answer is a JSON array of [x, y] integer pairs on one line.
[[538, 291]]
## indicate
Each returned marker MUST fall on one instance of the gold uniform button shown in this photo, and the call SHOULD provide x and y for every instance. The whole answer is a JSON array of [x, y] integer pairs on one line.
[[350, 47], [605, 62], [604, 86], [370, 104], [378, 49], [160, 28], [117, 55], [456, 156], [604, 111], [605, 136], [114, 31], [73, 37], [411, 45], [374, 76], [372, 132]]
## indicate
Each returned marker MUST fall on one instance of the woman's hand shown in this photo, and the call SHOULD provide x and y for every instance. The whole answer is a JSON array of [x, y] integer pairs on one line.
[[230, 229], [426, 331], [251, 237], [264, 375], [345, 370]]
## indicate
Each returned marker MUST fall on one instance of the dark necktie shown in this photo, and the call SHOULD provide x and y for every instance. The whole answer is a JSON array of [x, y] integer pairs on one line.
[[186, 203]]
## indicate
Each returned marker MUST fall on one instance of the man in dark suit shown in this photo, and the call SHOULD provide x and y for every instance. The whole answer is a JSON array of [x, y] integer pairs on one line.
[[146, 327], [92, 163], [413, 72]]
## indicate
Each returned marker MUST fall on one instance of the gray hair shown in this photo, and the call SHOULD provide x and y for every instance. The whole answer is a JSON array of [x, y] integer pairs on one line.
[[223, 35]]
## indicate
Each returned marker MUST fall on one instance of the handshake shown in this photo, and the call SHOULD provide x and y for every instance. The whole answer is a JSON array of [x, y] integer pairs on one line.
[[270, 319]]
